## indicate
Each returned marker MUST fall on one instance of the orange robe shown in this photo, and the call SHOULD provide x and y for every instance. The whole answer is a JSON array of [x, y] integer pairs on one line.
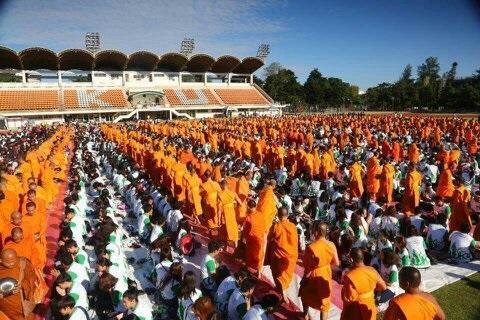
[[11, 305], [7, 207], [357, 294], [267, 205], [445, 186], [209, 192], [413, 153], [373, 170], [356, 184], [254, 232], [411, 196], [192, 188], [284, 252], [242, 190], [460, 208], [386, 182], [316, 291], [226, 204], [33, 226], [27, 249], [410, 306]]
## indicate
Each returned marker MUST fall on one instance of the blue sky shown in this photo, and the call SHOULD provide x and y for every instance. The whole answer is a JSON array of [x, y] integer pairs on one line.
[[363, 42]]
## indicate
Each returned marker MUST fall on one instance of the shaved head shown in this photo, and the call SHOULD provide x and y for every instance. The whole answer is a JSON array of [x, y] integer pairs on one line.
[[16, 218], [320, 229], [8, 258], [357, 255], [409, 278]]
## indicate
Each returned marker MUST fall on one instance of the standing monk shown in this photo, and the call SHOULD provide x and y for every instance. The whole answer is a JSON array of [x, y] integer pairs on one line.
[[445, 186], [411, 195], [267, 203], [192, 185], [414, 303], [386, 181], [209, 192], [227, 200], [358, 289], [284, 252], [316, 287], [373, 175], [242, 190], [20, 269], [254, 235], [460, 206], [356, 183]]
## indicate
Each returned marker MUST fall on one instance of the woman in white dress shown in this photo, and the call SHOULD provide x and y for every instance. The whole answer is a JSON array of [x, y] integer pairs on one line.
[[416, 249]]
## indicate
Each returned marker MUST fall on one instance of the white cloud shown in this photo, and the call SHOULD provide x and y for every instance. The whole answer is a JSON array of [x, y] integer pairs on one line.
[[219, 26]]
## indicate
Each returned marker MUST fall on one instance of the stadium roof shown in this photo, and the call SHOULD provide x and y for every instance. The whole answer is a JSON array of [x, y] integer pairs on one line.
[[78, 59]]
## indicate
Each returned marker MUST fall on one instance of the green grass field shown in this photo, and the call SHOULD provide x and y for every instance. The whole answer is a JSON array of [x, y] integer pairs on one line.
[[460, 300]]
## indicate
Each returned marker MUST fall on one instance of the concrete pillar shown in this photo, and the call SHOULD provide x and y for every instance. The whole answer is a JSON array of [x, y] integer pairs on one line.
[[205, 78], [251, 79], [229, 78], [24, 77], [59, 76], [123, 78], [93, 77], [179, 79]]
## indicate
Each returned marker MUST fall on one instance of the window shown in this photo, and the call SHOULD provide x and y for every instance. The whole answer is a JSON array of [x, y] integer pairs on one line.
[[159, 75]]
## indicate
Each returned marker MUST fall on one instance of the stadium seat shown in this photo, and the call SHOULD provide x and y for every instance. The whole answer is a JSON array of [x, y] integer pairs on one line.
[[11, 100], [190, 97], [88, 98], [241, 96]]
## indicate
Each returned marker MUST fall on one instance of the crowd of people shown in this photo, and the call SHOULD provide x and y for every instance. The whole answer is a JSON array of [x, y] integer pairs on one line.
[[366, 201]]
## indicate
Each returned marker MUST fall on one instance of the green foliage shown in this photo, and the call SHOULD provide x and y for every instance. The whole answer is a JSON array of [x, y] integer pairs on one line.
[[81, 78], [428, 92], [284, 87], [9, 77]]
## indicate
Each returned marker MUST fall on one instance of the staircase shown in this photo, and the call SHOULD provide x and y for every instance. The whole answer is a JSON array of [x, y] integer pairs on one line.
[[125, 116]]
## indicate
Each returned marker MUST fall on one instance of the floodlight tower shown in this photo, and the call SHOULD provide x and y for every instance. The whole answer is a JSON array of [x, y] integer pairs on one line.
[[263, 51], [92, 41], [187, 46]]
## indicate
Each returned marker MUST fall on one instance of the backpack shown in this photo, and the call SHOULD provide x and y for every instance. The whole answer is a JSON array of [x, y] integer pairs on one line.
[[187, 244]]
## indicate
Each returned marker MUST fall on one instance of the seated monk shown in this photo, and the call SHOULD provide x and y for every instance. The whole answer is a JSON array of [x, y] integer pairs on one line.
[[20, 269], [414, 303]]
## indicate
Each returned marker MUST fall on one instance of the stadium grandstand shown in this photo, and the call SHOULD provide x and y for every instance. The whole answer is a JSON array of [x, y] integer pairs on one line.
[[45, 86]]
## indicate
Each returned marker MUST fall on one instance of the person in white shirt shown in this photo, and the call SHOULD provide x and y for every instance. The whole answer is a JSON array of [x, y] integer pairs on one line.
[[240, 300], [65, 286], [462, 245], [134, 304], [262, 311], [226, 288], [66, 307]]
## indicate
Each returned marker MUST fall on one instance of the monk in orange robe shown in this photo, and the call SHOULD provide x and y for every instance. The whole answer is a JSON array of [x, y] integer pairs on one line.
[[209, 192], [6, 207], [31, 196], [267, 203], [445, 185], [460, 206], [414, 303], [356, 183], [411, 195], [6, 228], [358, 289], [23, 246], [34, 225], [227, 200], [397, 151], [284, 252], [11, 267], [413, 153], [242, 190], [192, 185], [320, 256], [373, 175], [179, 170], [254, 235], [386, 181]]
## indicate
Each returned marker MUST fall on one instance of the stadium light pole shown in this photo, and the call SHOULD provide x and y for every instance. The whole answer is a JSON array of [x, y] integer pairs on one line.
[[263, 51], [92, 41], [187, 46]]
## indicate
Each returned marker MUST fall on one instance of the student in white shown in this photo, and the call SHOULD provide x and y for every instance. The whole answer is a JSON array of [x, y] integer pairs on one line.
[[187, 296], [137, 305], [462, 244], [66, 307], [209, 266], [240, 300], [226, 288], [65, 286], [437, 233], [263, 309]]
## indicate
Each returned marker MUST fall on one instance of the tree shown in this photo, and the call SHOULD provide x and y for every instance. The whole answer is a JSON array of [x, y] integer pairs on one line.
[[407, 73], [272, 69], [314, 89], [284, 87], [429, 83], [259, 82]]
